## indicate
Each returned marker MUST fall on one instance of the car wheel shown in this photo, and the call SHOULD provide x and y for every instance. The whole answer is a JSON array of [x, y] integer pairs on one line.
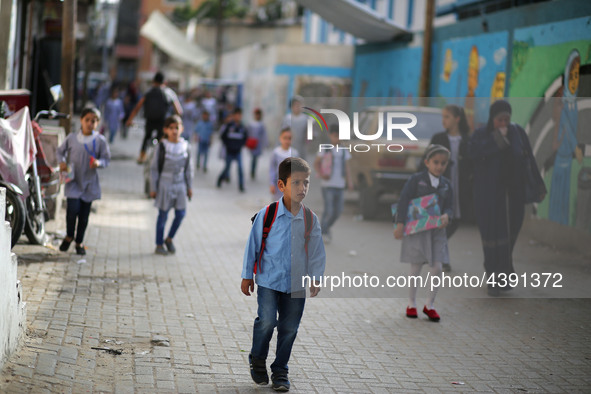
[[368, 202]]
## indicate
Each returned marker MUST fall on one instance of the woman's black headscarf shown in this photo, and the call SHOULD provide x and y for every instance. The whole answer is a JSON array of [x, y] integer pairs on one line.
[[496, 108]]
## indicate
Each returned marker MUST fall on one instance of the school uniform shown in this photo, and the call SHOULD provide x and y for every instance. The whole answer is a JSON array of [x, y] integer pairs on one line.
[[85, 187], [171, 184], [427, 246], [279, 279]]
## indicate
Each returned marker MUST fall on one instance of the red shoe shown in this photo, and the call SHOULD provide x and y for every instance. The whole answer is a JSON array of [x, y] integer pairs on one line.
[[432, 313], [411, 312]]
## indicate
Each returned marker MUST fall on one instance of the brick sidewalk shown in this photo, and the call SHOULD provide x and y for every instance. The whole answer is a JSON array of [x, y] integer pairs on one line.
[[122, 295]]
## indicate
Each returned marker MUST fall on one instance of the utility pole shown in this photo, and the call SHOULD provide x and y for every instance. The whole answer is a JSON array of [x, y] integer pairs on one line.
[[219, 39], [427, 42], [68, 59]]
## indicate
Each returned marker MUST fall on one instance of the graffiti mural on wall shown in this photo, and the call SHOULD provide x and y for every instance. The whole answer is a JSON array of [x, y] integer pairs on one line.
[[474, 67], [558, 124]]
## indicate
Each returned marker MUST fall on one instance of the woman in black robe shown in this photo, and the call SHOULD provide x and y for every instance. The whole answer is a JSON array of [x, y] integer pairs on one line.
[[503, 162]]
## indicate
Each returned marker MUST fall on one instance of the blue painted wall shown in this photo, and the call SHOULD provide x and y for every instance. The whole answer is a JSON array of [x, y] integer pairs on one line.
[[390, 71]]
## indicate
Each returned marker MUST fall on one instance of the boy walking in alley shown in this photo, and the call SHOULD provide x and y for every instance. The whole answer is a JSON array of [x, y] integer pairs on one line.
[[234, 137], [284, 246], [156, 104], [203, 131]]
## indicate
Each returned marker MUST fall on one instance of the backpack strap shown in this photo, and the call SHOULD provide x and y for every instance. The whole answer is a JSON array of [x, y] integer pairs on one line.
[[308, 222], [161, 156], [270, 215]]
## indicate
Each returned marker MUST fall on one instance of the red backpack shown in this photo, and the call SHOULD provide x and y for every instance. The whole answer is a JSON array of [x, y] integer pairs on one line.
[[270, 215]]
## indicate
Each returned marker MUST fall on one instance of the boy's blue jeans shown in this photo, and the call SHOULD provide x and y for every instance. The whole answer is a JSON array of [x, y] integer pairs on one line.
[[272, 303], [112, 133], [253, 166], [203, 151], [334, 201], [179, 214]]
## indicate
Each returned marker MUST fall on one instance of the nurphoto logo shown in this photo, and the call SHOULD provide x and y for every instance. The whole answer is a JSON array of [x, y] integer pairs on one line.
[[344, 125]]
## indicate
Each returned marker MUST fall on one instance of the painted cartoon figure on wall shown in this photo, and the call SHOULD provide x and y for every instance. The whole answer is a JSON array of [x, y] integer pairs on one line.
[[447, 65], [497, 90], [565, 143], [473, 69]]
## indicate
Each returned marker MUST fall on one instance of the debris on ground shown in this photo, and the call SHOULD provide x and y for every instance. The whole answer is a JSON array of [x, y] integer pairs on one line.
[[159, 340], [109, 350]]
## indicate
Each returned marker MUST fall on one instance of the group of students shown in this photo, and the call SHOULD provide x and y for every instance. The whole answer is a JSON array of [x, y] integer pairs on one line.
[[286, 240]]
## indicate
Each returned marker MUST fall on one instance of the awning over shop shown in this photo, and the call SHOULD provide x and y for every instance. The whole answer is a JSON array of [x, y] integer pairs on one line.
[[355, 18], [171, 40]]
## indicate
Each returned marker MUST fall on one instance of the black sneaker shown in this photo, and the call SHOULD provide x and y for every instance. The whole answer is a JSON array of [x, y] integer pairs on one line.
[[81, 250], [280, 381], [170, 246], [258, 371], [160, 250], [65, 245]]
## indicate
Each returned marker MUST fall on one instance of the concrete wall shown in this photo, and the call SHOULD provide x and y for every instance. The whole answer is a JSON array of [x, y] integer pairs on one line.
[[237, 36], [12, 307]]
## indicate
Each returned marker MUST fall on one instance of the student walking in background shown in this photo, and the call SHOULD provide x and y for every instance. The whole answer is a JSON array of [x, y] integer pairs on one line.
[[333, 169], [257, 139], [297, 121], [156, 104], [459, 170], [171, 174], [280, 153], [234, 137], [114, 113], [203, 130], [81, 155], [429, 246], [190, 115]]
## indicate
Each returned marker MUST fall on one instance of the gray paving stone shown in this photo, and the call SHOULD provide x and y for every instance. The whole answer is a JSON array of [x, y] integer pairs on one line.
[[46, 364]]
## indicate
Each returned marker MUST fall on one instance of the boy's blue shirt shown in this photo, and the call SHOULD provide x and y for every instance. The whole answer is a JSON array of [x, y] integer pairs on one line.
[[204, 130], [284, 259]]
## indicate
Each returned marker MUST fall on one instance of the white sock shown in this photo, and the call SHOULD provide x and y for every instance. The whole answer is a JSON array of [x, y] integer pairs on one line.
[[435, 271], [415, 270]]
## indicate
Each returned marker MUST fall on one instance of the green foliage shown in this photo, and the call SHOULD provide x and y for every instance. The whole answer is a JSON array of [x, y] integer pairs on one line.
[[184, 14], [520, 55], [209, 9]]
